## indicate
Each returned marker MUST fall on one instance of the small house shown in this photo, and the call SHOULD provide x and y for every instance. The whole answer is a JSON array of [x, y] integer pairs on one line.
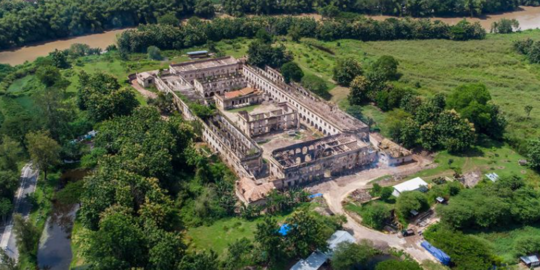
[[440, 200], [530, 261], [416, 184], [394, 154]]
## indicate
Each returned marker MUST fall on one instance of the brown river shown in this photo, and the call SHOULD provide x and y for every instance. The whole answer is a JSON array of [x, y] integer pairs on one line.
[[528, 17]]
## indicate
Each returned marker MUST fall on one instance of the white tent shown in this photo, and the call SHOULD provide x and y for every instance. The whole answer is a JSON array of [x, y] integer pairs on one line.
[[411, 185]]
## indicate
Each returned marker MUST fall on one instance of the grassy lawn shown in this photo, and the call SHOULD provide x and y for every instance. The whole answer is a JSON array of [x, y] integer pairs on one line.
[[500, 159], [224, 232]]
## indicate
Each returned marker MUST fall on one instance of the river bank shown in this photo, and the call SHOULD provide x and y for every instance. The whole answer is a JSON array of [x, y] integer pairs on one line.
[[30, 53], [528, 17]]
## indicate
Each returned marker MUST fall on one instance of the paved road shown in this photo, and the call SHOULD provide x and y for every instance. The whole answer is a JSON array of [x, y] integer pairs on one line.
[[22, 206], [337, 190]]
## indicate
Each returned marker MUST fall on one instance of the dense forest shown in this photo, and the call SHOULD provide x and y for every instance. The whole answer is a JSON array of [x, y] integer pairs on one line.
[[390, 7], [196, 32], [24, 22]]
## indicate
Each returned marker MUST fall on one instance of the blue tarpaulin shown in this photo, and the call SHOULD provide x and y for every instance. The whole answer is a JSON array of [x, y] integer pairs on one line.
[[284, 230], [437, 253], [315, 195]]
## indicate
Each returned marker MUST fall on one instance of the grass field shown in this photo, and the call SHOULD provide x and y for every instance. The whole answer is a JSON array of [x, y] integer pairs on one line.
[[500, 159], [223, 232], [438, 66]]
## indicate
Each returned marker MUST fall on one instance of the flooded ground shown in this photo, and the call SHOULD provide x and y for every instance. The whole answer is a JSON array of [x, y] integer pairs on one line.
[[30, 53]]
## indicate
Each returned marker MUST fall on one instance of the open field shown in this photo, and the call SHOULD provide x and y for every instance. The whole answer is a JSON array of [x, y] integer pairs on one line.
[[438, 66], [500, 159]]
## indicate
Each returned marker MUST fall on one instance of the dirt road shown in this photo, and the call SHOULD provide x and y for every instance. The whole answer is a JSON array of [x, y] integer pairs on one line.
[[147, 94], [335, 192]]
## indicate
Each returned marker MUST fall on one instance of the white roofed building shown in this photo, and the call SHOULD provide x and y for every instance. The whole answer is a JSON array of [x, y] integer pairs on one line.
[[416, 184]]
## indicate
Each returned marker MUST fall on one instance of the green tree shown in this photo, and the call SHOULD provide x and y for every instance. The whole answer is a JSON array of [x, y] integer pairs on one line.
[[169, 19], [5, 208], [409, 201], [467, 252], [9, 182], [454, 133], [56, 113], [269, 240], [291, 72], [103, 97], [10, 153], [533, 153], [262, 54], [504, 26], [375, 215], [166, 248], [43, 150], [526, 245], [306, 235], [402, 127], [204, 8], [26, 234], [398, 265], [200, 261], [118, 244], [154, 53], [263, 36], [386, 66], [59, 59], [239, 254], [360, 88], [48, 75], [345, 70], [352, 255]]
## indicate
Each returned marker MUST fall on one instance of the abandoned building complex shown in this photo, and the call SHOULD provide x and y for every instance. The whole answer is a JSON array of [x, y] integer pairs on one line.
[[254, 106]]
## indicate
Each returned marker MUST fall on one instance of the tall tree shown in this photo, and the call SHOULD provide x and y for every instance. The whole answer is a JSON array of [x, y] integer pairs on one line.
[[291, 72], [43, 150], [27, 235], [10, 153], [345, 70], [352, 255]]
